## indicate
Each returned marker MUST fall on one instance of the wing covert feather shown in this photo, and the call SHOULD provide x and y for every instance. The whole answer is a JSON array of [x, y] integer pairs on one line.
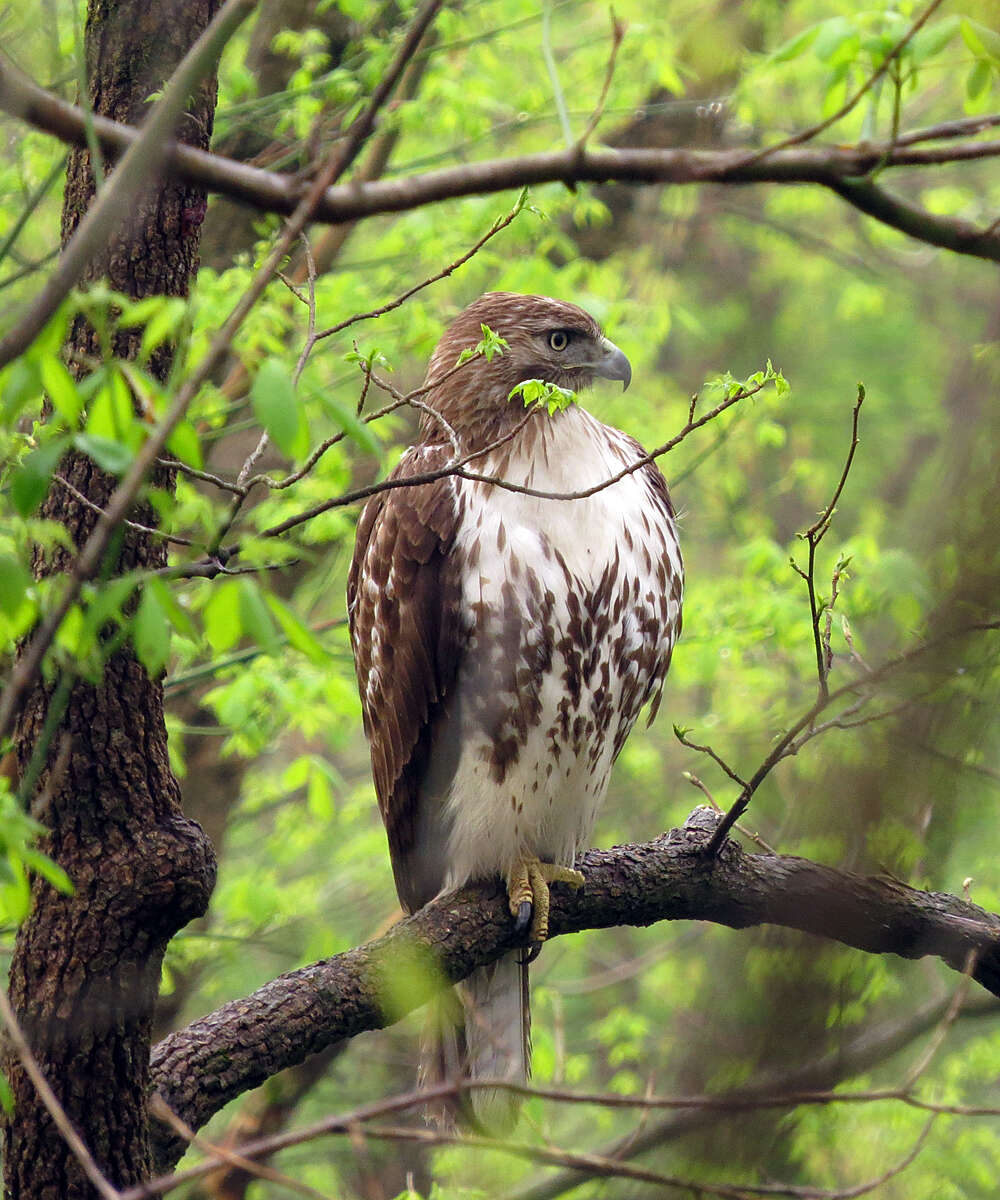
[[404, 608]]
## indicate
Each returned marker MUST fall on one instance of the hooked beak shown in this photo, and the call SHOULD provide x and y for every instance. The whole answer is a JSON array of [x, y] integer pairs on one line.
[[612, 364]]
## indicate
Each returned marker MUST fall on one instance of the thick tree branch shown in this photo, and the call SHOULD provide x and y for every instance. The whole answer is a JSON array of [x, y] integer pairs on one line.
[[199, 1069], [950, 233], [831, 166]]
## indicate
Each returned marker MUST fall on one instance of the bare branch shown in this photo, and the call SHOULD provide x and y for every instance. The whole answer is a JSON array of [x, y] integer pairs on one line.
[[201, 1068], [962, 127], [831, 166], [499, 224], [950, 233]]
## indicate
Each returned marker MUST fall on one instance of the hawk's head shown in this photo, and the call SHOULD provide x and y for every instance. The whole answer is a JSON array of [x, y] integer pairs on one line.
[[546, 339]]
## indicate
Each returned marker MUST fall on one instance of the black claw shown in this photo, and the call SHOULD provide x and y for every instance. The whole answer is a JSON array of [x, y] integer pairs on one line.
[[523, 919], [532, 953]]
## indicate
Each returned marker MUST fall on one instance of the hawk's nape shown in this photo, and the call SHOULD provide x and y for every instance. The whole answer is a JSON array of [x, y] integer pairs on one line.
[[505, 641]]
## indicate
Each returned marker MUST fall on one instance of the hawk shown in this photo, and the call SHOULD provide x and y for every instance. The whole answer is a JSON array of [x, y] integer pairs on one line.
[[505, 641]]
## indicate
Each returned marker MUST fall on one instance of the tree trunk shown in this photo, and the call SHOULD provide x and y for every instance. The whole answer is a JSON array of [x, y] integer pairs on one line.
[[86, 967]]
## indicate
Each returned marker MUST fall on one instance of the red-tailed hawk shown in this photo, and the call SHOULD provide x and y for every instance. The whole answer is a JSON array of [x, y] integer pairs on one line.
[[505, 643]]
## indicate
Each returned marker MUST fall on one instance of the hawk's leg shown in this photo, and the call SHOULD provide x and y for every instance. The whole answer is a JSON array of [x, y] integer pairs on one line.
[[528, 892]]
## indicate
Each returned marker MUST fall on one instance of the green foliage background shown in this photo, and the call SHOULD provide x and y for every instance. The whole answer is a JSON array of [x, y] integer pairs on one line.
[[265, 722]]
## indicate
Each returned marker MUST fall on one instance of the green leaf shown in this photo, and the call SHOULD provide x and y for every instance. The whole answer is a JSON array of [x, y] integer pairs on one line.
[[537, 391], [836, 91], [185, 445], [346, 419], [223, 622], [838, 41], [932, 39], [51, 871], [982, 41], [109, 455], [492, 344], [15, 579], [298, 635], [277, 408], [30, 481], [50, 341], [61, 387], [111, 415], [162, 325], [978, 79], [107, 601], [255, 616], [151, 632], [6, 1095], [179, 618], [795, 46], [19, 383]]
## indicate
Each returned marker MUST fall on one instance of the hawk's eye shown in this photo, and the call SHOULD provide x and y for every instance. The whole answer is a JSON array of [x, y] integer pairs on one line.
[[558, 339]]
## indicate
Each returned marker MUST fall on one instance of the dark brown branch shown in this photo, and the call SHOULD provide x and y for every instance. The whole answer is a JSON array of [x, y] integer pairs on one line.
[[950, 233], [831, 166], [962, 127], [201, 1068]]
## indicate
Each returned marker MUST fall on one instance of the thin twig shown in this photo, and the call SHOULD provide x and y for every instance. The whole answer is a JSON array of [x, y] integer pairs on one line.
[[591, 1163], [814, 535], [550, 66], [460, 469], [421, 405], [875, 675], [311, 307], [159, 1108], [499, 224], [747, 833], [945, 1024], [807, 135], [682, 737], [225, 485], [962, 127], [139, 528], [618, 30]]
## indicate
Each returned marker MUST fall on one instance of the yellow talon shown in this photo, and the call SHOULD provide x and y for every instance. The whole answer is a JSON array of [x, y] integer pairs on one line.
[[528, 893]]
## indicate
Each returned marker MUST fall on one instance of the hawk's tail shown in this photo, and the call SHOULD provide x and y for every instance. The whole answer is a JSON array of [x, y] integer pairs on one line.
[[482, 1030]]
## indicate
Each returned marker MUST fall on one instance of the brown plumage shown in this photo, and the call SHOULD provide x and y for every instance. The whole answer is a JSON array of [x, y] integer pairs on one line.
[[505, 643]]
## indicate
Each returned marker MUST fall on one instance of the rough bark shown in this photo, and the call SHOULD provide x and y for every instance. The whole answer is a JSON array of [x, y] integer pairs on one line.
[[220, 1056], [86, 967]]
